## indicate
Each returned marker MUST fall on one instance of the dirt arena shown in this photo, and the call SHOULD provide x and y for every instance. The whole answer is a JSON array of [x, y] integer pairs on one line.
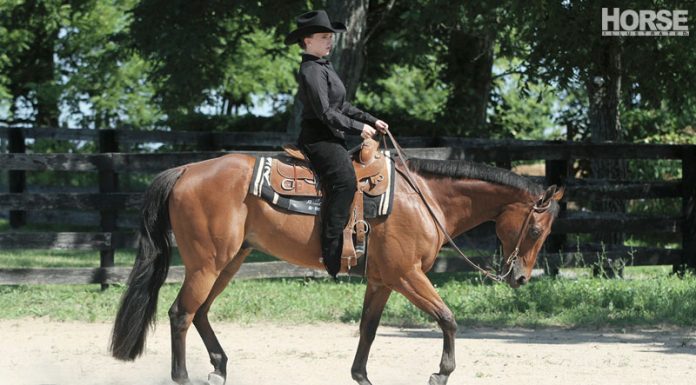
[[39, 352]]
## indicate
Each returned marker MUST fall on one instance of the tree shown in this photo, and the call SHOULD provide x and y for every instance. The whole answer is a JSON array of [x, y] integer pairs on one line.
[[463, 38], [604, 66], [189, 44], [213, 54], [100, 72], [64, 61], [409, 98], [523, 109], [30, 30], [639, 72], [362, 19]]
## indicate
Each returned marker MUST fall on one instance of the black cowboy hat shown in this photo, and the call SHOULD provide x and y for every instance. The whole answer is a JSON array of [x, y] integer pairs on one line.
[[313, 22]]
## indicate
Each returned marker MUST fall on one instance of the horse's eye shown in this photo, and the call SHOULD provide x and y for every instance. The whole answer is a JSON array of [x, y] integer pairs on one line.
[[534, 232]]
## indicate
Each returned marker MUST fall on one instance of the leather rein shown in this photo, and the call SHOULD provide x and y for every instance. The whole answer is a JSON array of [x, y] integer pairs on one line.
[[537, 207]]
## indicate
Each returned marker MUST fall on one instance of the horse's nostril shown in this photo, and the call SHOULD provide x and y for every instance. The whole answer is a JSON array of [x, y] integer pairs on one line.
[[522, 280]]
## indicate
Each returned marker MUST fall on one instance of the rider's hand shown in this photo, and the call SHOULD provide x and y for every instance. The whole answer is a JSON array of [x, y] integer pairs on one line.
[[381, 126], [368, 132]]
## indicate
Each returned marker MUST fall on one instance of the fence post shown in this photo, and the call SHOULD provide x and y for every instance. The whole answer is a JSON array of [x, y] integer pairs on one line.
[[108, 183], [556, 173], [17, 179], [689, 207]]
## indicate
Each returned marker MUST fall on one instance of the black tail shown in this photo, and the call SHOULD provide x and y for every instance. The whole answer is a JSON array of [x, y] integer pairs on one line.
[[139, 302]]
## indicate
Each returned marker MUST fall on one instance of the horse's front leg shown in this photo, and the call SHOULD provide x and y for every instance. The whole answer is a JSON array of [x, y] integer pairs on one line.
[[376, 297], [415, 286]]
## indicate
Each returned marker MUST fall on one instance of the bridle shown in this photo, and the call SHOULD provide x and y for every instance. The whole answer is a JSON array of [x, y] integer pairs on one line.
[[538, 206]]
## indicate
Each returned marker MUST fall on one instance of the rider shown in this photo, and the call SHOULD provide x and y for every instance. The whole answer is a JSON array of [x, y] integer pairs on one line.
[[326, 118]]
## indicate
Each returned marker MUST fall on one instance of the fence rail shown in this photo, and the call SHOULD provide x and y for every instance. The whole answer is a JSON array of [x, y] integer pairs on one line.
[[113, 213], [111, 275]]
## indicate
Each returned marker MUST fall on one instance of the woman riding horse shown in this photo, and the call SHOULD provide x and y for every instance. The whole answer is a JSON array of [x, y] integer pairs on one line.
[[326, 118]]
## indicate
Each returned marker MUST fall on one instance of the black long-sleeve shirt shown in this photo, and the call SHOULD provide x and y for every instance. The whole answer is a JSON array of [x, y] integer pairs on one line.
[[325, 112]]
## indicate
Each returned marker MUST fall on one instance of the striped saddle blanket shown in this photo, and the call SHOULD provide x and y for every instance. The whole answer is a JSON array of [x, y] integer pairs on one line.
[[290, 184]]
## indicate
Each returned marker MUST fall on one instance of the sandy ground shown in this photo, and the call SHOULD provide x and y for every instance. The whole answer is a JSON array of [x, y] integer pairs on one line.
[[39, 352]]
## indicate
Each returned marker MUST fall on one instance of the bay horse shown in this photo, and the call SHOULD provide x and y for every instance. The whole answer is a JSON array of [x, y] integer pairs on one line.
[[216, 224]]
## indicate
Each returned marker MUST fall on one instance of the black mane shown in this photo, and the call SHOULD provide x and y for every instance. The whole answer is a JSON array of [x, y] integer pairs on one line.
[[471, 170]]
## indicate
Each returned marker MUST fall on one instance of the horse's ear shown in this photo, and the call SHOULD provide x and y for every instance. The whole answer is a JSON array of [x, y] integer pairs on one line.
[[558, 195], [548, 194], [553, 192]]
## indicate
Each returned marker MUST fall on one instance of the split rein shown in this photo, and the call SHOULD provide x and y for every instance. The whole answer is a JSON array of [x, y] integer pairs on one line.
[[539, 207]]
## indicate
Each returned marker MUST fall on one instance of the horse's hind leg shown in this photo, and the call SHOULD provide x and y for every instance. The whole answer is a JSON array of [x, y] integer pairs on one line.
[[194, 291], [203, 278], [416, 286], [217, 355], [376, 297]]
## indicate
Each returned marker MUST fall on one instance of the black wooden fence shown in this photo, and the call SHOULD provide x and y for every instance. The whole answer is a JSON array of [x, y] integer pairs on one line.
[[115, 210]]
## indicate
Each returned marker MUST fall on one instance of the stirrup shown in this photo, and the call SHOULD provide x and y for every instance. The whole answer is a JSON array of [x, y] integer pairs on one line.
[[360, 246]]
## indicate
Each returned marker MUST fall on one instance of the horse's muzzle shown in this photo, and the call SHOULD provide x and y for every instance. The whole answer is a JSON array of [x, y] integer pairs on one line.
[[521, 280], [517, 278]]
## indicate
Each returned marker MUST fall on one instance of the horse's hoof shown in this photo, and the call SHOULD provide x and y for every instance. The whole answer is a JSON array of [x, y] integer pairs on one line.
[[361, 380], [438, 379], [215, 379]]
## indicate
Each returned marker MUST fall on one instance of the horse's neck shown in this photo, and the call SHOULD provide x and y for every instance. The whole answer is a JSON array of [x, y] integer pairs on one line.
[[466, 203]]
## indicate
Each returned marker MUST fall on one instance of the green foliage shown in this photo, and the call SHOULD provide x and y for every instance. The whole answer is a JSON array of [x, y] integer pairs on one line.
[[101, 72], [521, 109], [653, 70], [660, 125], [432, 66], [459, 37], [27, 36], [70, 55], [259, 70], [408, 98], [5, 60], [184, 40], [211, 52]]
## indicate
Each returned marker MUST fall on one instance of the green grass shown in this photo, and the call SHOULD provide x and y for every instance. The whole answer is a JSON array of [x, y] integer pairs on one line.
[[585, 302], [648, 296], [28, 258]]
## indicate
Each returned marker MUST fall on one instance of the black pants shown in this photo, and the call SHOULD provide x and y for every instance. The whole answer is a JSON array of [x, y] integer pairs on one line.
[[332, 164]]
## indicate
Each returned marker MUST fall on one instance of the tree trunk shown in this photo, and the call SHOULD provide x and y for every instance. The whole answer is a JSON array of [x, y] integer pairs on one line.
[[47, 97], [348, 57], [604, 92], [469, 67]]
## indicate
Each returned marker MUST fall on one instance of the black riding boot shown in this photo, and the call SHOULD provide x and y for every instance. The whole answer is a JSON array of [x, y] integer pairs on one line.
[[332, 163]]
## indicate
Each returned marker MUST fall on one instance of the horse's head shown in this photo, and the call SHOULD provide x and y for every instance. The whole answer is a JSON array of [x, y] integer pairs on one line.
[[522, 229]]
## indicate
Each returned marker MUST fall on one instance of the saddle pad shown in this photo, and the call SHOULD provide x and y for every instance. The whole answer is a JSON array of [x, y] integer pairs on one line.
[[260, 186]]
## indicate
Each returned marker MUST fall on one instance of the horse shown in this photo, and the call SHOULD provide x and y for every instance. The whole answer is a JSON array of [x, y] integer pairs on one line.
[[217, 223]]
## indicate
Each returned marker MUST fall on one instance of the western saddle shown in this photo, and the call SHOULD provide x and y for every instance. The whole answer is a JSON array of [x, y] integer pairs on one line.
[[292, 175]]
